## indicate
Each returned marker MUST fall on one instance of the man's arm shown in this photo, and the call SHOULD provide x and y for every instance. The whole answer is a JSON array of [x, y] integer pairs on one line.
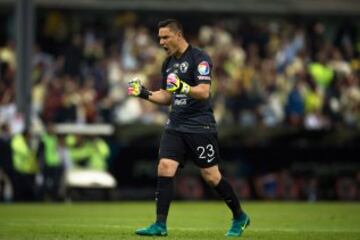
[[175, 85], [200, 92], [161, 97]]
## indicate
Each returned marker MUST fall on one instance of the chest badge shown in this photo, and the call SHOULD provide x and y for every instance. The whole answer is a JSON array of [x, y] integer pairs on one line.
[[184, 67]]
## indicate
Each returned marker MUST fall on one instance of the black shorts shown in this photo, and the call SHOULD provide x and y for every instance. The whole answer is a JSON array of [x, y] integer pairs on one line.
[[201, 148]]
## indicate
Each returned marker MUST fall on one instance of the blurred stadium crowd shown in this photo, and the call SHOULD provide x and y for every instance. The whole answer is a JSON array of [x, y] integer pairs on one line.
[[266, 73]]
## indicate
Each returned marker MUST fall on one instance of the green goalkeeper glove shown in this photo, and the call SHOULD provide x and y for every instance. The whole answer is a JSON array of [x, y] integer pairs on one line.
[[175, 85], [136, 89]]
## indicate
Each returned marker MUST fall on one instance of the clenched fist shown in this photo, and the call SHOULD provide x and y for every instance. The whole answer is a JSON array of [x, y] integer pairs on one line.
[[136, 89], [175, 85]]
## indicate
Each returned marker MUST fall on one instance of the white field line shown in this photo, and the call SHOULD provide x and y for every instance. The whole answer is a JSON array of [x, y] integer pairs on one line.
[[192, 229]]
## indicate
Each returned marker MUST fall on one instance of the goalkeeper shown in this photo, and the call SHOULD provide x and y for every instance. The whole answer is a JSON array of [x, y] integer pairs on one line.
[[190, 132]]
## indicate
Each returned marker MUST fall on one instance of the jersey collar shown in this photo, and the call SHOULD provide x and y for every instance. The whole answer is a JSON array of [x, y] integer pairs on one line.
[[189, 47]]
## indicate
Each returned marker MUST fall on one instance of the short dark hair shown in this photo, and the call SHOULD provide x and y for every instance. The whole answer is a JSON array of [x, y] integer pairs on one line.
[[173, 24]]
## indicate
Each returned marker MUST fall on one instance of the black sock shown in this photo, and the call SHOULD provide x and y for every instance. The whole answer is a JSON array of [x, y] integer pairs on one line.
[[227, 193], [163, 197]]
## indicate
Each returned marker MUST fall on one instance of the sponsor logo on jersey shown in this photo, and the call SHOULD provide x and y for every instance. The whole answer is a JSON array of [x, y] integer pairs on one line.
[[203, 68], [184, 67], [180, 99], [180, 102], [204, 78]]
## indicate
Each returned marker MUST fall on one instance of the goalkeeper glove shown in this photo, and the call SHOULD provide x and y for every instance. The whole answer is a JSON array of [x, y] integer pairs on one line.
[[136, 89], [174, 84]]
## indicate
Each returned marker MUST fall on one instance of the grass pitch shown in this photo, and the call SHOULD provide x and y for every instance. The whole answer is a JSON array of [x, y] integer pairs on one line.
[[187, 220]]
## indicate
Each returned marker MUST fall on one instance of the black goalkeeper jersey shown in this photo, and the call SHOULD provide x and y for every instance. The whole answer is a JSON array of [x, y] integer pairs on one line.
[[188, 114]]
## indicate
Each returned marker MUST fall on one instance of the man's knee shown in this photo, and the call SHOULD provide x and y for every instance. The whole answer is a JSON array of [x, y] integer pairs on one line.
[[211, 175], [167, 167]]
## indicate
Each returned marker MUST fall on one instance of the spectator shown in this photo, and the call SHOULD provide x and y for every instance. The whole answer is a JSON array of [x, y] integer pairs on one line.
[[6, 168], [295, 105], [25, 167], [52, 164]]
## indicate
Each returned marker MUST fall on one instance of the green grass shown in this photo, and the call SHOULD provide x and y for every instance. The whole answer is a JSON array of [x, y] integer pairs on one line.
[[187, 220]]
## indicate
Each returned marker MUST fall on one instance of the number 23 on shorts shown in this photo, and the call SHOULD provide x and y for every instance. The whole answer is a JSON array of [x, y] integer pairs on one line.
[[206, 152]]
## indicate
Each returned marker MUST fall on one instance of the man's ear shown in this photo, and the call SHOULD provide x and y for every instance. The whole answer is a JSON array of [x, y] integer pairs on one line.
[[179, 34]]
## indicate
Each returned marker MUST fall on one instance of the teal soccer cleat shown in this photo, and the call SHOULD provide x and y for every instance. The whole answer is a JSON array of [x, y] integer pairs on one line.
[[238, 226], [156, 229]]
